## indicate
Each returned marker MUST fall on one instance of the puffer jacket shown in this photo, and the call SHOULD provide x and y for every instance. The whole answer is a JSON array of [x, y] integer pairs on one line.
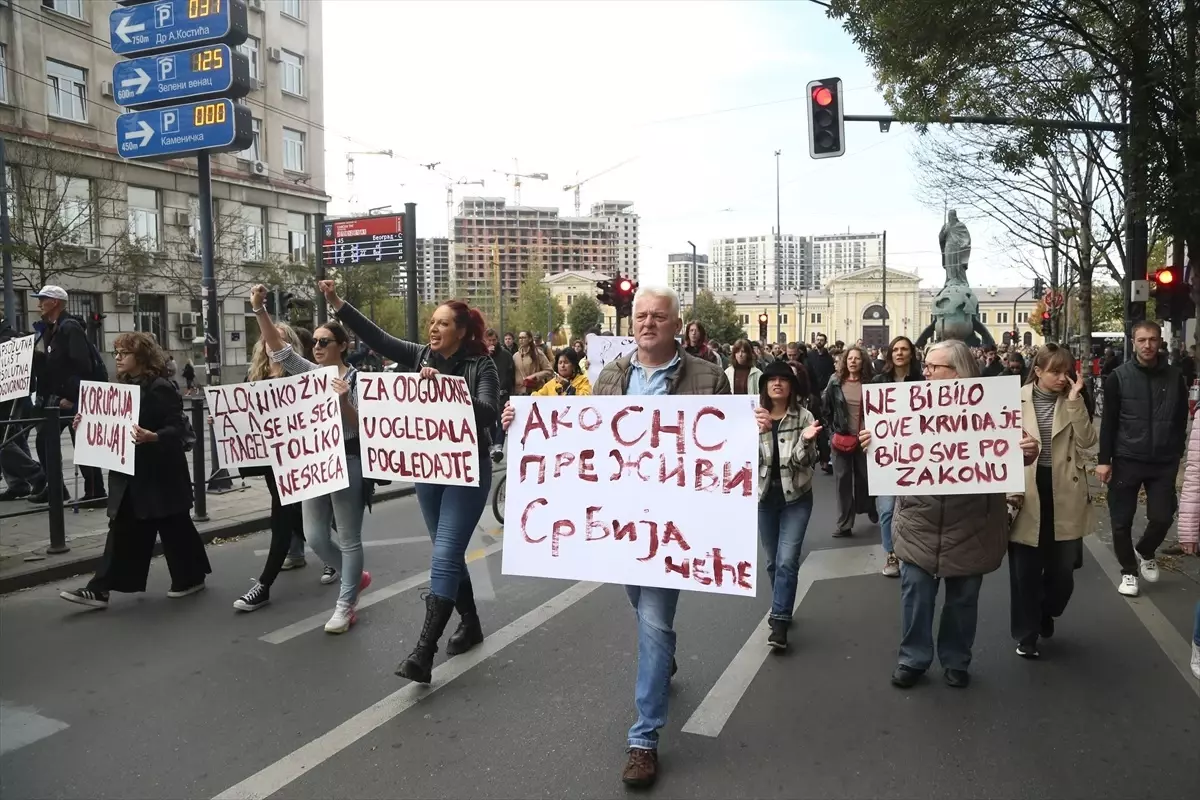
[[693, 376], [796, 456], [951, 536], [1189, 495]]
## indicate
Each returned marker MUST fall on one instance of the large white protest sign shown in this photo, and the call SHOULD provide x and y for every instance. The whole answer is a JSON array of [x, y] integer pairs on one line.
[[646, 491], [603, 349], [108, 413], [944, 437], [293, 425], [16, 367], [418, 429]]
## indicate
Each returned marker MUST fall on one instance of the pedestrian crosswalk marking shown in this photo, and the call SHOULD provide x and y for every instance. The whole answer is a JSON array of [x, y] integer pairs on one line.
[[21, 726]]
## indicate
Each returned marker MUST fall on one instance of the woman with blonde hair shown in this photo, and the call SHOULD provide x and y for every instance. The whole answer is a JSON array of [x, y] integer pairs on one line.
[[156, 500], [1046, 539]]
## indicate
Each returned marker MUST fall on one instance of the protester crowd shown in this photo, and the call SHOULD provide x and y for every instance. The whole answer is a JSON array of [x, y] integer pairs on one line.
[[809, 418]]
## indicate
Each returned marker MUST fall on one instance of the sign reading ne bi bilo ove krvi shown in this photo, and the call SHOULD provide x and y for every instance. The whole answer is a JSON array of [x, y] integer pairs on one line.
[[173, 67]]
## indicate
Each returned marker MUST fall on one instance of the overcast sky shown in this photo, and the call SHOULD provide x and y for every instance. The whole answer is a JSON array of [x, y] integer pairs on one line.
[[700, 94]]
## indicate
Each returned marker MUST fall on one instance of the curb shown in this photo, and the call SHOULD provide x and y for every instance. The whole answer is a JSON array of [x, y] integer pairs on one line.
[[50, 571]]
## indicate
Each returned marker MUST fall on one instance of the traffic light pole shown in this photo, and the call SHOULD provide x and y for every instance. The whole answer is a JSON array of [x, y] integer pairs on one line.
[[219, 480], [410, 264]]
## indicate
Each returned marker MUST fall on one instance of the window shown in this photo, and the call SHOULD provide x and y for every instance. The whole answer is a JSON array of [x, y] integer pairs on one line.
[[292, 8], [143, 218], [254, 230], [72, 8], [297, 233], [66, 91], [814, 319], [151, 317], [10, 189], [3, 74], [292, 66], [1022, 316], [74, 209], [254, 151], [293, 150], [983, 317], [249, 48], [1001, 317]]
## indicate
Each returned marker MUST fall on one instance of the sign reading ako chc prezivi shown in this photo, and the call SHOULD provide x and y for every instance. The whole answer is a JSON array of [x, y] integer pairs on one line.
[[368, 239], [186, 52]]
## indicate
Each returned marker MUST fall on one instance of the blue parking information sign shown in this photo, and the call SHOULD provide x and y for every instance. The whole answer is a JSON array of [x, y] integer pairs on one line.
[[205, 71], [175, 24], [213, 126]]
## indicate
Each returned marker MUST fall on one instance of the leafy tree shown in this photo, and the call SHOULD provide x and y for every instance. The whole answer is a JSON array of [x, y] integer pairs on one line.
[[720, 318], [584, 314], [364, 284], [391, 314], [534, 307]]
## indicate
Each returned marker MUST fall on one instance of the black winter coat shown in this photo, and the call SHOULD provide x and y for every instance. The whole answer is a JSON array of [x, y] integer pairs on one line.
[[161, 485]]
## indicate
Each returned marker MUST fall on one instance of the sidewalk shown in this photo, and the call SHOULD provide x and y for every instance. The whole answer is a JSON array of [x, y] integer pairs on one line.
[[24, 538]]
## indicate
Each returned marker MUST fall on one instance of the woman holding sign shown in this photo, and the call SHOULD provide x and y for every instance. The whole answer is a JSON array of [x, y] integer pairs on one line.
[[786, 456], [842, 401], [899, 365], [456, 347], [156, 500], [1055, 514], [954, 539], [345, 506]]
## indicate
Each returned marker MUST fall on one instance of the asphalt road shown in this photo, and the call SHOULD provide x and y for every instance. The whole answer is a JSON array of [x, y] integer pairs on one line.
[[158, 698]]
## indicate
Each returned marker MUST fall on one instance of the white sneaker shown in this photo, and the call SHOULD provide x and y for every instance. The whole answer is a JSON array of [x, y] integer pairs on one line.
[[1196, 659], [1148, 567], [343, 617], [1129, 586]]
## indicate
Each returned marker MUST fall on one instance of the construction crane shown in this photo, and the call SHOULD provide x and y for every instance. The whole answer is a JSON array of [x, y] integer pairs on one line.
[[576, 185], [516, 176], [450, 204], [350, 160]]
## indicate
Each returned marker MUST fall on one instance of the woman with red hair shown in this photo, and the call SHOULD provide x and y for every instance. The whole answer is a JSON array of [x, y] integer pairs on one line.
[[456, 347]]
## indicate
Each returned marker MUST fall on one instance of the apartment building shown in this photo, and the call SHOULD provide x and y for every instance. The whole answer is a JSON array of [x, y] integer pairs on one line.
[[433, 271], [121, 237], [837, 254], [623, 223], [747, 263], [679, 274], [524, 240]]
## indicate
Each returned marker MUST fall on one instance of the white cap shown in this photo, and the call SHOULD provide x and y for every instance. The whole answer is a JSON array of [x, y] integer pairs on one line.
[[52, 292]]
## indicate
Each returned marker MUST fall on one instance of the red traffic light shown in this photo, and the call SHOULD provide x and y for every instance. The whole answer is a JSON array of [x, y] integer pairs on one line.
[[762, 317], [1164, 277], [822, 96], [625, 285]]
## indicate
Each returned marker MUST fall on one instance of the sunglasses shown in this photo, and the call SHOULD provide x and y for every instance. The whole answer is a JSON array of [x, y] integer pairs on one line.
[[323, 342]]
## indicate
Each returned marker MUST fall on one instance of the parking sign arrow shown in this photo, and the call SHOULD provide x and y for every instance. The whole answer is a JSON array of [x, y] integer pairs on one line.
[[144, 132], [124, 28], [141, 81]]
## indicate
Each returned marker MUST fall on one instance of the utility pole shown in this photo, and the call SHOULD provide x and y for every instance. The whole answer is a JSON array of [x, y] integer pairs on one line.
[[10, 297], [778, 252], [410, 264], [886, 317], [695, 285], [1052, 334]]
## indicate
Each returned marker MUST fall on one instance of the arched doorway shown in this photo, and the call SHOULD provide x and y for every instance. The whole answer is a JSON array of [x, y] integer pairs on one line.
[[1028, 338], [875, 326]]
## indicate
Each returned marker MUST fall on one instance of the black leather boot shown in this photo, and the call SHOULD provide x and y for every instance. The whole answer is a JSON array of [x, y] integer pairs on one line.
[[418, 666], [469, 632]]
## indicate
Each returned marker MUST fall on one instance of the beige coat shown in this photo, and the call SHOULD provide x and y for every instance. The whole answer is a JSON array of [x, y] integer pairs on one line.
[[1073, 433]]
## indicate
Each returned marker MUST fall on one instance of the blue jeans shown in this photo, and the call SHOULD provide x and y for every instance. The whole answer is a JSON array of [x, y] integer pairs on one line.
[[655, 609], [781, 529], [886, 506], [451, 514], [956, 632], [347, 507]]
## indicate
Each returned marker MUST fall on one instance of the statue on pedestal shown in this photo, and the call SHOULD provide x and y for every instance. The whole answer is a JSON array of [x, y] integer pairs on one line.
[[955, 308]]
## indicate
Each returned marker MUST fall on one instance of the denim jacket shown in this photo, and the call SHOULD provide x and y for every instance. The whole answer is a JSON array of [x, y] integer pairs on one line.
[[796, 457]]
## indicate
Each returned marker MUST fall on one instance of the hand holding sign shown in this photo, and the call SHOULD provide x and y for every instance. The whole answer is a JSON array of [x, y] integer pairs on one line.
[[142, 436], [1030, 447]]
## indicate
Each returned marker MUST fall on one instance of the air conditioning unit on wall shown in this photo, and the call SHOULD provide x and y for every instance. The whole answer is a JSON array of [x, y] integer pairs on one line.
[[255, 5], [124, 298], [187, 333], [274, 54], [258, 169], [188, 318]]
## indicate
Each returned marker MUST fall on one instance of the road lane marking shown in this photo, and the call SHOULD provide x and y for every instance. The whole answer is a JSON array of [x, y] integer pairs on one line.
[[21, 726], [373, 543], [1174, 646], [370, 598], [275, 777], [718, 705]]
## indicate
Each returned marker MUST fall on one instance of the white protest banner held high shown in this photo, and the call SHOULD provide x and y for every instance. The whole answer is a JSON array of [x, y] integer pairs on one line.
[[645, 491], [239, 413], [945, 437], [16, 367], [304, 438], [418, 429], [108, 413], [603, 349]]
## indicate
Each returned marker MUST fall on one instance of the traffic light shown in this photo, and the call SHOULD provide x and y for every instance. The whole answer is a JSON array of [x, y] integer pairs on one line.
[[1045, 329], [605, 293], [1039, 288], [623, 296], [1172, 295], [826, 127], [762, 327], [95, 318]]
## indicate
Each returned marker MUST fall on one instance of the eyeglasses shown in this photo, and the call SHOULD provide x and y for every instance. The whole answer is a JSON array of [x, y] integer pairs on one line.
[[323, 342], [927, 367], [121, 353]]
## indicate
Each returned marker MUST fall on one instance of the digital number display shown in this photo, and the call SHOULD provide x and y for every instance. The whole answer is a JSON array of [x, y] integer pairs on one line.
[[209, 114], [206, 60], [198, 9]]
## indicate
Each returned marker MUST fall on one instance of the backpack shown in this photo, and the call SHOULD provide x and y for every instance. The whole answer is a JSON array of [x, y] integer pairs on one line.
[[99, 370]]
